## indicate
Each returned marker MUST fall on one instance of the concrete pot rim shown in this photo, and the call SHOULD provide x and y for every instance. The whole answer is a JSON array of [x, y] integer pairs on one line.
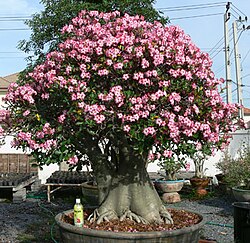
[[128, 235], [169, 181]]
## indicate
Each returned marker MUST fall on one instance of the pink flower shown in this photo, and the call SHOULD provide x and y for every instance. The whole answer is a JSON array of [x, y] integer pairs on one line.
[[61, 118], [151, 156], [73, 160], [26, 113], [118, 65], [103, 72], [144, 63], [188, 166], [149, 131], [167, 153], [125, 76], [99, 118], [174, 97], [1, 131], [126, 128]]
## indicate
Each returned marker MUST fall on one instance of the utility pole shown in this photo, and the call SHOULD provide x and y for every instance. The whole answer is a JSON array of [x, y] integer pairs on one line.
[[238, 68], [227, 55]]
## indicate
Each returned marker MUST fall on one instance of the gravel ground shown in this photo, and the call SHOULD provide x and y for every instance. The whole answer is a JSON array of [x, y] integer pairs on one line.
[[33, 220], [218, 213]]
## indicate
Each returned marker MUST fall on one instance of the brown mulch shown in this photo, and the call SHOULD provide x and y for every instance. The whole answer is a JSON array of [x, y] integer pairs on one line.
[[181, 219]]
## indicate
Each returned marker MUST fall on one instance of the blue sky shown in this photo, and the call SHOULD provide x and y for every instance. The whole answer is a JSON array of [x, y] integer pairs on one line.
[[206, 32]]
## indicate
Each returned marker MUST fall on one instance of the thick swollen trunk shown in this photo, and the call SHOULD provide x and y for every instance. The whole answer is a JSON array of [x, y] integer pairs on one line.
[[130, 193], [134, 198], [124, 185]]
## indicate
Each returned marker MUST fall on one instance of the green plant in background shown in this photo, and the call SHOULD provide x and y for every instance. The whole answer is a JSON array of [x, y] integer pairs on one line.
[[237, 170], [171, 167], [223, 163]]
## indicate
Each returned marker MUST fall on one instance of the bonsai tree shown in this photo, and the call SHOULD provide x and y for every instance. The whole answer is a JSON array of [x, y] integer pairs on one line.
[[120, 92], [172, 167], [199, 159]]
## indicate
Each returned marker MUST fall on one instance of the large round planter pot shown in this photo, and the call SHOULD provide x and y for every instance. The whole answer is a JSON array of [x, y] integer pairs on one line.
[[72, 234], [169, 189], [241, 195], [241, 222], [200, 185], [90, 193]]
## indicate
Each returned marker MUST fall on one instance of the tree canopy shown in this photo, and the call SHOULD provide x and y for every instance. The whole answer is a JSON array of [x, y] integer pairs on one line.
[[116, 77], [117, 92], [46, 26]]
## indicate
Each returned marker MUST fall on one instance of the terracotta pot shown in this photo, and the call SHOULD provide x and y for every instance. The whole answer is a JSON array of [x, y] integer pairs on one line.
[[169, 189], [70, 233], [200, 185]]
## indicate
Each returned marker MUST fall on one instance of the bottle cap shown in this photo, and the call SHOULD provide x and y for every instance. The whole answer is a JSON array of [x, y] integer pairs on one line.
[[78, 200]]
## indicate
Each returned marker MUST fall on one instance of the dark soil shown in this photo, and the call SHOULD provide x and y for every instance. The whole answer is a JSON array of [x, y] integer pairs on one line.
[[181, 219]]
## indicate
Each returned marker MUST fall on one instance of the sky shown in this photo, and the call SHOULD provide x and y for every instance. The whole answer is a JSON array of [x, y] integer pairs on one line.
[[202, 20]]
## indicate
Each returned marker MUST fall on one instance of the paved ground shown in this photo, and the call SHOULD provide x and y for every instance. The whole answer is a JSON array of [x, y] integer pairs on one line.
[[33, 220]]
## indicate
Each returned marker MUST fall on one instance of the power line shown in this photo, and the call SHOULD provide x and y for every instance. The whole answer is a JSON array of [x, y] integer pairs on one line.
[[8, 52], [236, 13], [193, 5], [12, 20], [245, 56], [17, 29], [215, 46], [196, 16], [187, 9], [238, 9], [12, 57], [15, 17]]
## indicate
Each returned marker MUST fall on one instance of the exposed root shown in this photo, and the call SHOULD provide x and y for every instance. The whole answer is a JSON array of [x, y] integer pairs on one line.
[[132, 216], [166, 215], [99, 218], [128, 214]]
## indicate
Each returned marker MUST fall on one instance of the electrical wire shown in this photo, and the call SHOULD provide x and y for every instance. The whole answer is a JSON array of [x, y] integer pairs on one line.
[[196, 16], [235, 13], [12, 20], [245, 56], [238, 9], [15, 17], [11, 57], [221, 68], [17, 29], [194, 5], [187, 9], [8, 52], [215, 46]]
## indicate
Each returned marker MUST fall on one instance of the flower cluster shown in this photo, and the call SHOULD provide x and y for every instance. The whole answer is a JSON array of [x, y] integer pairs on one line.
[[148, 80]]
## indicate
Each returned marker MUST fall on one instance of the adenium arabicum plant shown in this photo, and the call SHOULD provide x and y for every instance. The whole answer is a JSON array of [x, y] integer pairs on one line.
[[120, 91]]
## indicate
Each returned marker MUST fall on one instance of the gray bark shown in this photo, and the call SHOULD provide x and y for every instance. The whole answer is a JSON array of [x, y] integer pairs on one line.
[[127, 191]]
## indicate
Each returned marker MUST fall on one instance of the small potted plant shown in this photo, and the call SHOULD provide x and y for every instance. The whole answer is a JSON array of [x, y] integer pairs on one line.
[[170, 185], [222, 166], [199, 181], [237, 174]]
